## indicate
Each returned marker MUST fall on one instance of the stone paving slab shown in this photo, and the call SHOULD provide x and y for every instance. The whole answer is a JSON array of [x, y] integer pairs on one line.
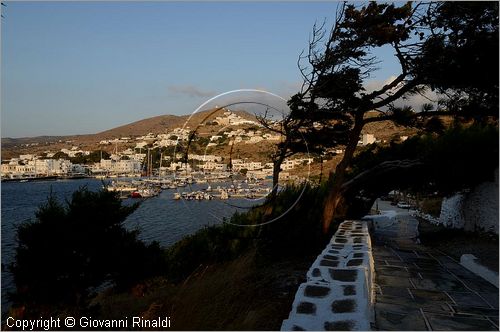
[[491, 298], [479, 286], [468, 309], [451, 323], [390, 317], [439, 299], [402, 292], [439, 307], [466, 298], [418, 288]]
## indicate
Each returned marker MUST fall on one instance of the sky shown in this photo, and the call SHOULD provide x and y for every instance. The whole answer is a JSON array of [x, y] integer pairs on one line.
[[84, 67]]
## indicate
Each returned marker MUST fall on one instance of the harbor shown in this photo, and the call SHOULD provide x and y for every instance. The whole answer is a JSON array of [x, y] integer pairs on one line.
[[189, 188], [160, 218]]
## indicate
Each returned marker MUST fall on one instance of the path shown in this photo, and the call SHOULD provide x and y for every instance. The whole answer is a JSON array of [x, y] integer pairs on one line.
[[421, 289]]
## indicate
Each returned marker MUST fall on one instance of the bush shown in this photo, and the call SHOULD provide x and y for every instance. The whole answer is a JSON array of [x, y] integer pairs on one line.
[[432, 206], [460, 158], [297, 229], [297, 232], [71, 249]]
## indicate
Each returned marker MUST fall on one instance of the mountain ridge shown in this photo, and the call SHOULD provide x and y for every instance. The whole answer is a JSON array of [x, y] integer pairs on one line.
[[156, 125]]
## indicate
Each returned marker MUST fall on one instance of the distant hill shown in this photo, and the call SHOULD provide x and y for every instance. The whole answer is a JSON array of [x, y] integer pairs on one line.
[[156, 125], [159, 124], [12, 147]]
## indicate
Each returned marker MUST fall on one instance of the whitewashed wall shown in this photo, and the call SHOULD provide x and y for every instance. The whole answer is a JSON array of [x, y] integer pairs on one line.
[[475, 210]]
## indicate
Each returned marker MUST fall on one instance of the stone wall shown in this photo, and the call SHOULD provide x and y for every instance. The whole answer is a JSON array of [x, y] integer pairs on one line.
[[476, 210], [338, 293]]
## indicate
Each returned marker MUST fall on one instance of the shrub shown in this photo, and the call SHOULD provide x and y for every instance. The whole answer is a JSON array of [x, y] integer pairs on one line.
[[71, 249], [459, 158], [432, 206], [297, 232]]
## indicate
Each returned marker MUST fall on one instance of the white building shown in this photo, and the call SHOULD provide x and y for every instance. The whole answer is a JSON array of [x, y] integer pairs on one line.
[[26, 157], [166, 142], [259, 175], [205, 157], [127, 152], [213, 166], [130, 166], [127, 167], [181, 134], [367, 139], [288, 165], [254, 139], [138, 157], [179, 166], [141, 145], [229, 118], [271, 137]]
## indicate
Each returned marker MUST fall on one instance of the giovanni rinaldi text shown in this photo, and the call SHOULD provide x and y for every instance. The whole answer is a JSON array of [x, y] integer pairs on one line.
[[86, 322]]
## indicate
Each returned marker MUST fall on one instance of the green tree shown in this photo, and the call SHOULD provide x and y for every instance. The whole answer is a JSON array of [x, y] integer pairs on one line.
[[60, 155], [96, 155], [71, 249], [442, 46], [459, 158]]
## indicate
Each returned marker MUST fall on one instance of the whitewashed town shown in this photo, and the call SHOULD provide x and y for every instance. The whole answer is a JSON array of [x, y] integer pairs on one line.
[[142, 166], [133, 161]]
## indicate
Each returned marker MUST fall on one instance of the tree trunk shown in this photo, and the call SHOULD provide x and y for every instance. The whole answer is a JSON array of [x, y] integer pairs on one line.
[[361, 191], [276, 174], [336, 179], [321, 170]]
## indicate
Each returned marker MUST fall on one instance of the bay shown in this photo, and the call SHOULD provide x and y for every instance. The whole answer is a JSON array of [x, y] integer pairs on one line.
[[159, 218]]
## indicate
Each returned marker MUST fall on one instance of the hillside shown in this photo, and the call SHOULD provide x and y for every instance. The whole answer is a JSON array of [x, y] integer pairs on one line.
[[155, 125], [13, 147]]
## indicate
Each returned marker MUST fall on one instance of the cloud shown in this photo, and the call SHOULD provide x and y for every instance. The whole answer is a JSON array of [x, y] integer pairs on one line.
[[190, 90], [415, 101], [373, 85]]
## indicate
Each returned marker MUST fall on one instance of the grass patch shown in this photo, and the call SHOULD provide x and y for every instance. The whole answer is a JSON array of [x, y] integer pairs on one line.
[[227, 277], [236, 295]]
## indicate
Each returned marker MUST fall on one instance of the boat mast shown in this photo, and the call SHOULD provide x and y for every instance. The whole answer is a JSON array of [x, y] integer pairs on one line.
[[159, 167]]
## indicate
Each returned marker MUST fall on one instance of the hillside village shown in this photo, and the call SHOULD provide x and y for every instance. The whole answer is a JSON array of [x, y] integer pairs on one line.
[[132, 156]]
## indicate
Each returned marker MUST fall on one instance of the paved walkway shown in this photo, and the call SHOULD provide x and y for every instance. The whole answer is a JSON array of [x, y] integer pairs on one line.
[[421, 289]]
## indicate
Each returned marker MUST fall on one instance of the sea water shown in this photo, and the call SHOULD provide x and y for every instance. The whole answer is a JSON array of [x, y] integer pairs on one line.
[[159, 218]]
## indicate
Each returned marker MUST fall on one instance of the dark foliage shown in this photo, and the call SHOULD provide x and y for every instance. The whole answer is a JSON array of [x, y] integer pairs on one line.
[[297, 229], [93, 157], [60, 155], [297, 232], [458, 159], [71, 249], [460, 57], [444, 46], [207, 246]]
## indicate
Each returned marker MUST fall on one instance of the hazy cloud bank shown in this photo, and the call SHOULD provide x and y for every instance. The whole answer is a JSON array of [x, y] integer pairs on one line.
[[415, 101], [190, 90]]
